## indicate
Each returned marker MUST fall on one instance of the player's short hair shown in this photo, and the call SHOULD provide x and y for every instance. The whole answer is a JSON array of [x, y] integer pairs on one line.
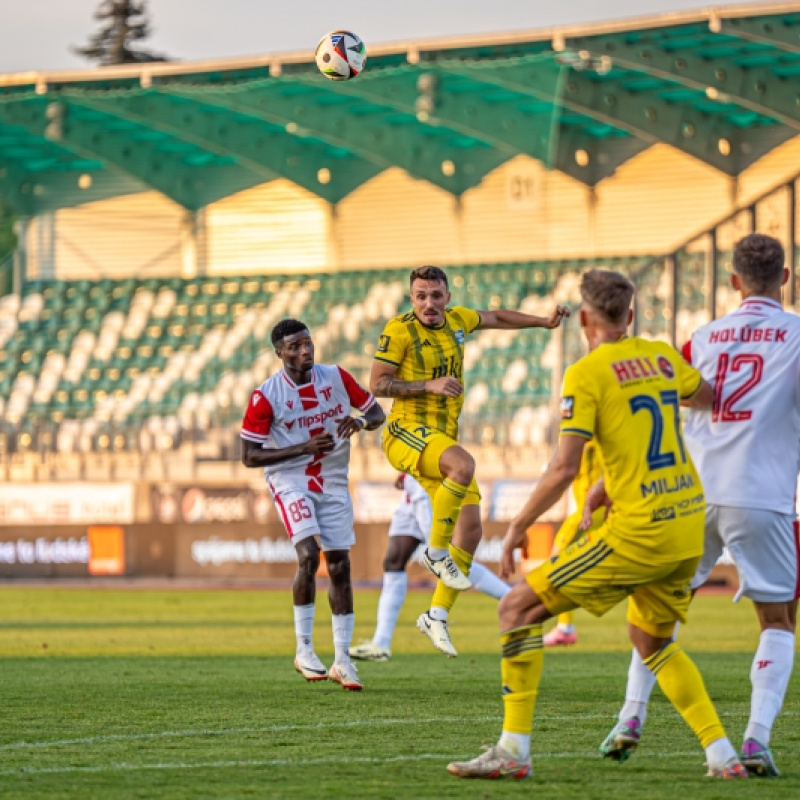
[[429, 274], [609, 293], [286, 327], [758, 260]]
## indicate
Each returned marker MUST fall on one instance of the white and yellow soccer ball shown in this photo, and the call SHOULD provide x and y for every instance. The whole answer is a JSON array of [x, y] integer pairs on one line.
[[341, 55]]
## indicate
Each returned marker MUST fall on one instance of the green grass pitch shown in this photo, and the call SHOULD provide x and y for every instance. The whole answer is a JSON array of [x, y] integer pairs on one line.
[[115, 693]]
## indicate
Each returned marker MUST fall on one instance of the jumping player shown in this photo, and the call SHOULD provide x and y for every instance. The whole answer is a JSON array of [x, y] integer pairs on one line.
[[419, 363], [747, 453], [410, 528], [625, 394], [297, 427]]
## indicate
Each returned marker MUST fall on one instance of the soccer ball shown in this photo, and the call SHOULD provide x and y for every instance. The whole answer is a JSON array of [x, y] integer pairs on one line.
[[340, 55]]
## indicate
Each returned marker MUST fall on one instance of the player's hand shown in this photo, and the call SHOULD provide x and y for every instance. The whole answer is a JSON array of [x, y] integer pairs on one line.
[[319, 444], [400, 481], [347, 426], [595, 498], [555, 318], [516, 538], [447, 386]]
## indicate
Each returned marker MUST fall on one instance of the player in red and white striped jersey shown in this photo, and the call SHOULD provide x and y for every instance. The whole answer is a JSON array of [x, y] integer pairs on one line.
[[298, 427], [747, 453]]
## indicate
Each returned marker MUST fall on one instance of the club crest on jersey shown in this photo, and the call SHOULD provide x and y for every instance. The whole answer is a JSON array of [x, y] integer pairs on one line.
[[665, 368], [567, 407], [459, 336], [256, 398], [326, 392], [290, 404], [383, 343]]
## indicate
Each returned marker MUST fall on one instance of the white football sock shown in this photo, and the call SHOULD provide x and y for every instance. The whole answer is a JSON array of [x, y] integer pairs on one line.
[[720, 753], [637, 693], [435, 553], [342, 636], [438, 613], [304, 627], [392, 597], [484, 580], [769, 675], [519, 744]]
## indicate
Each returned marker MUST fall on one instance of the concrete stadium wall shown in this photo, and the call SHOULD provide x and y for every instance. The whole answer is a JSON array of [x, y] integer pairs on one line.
[[653, 202]]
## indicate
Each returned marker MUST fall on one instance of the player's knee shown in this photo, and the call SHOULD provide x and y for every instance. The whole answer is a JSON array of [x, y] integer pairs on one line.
[[308, 563], [508, 612], [462, 470], [339, 568]]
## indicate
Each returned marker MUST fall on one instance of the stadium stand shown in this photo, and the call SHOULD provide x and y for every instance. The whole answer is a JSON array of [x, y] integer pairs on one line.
[[118, 364]]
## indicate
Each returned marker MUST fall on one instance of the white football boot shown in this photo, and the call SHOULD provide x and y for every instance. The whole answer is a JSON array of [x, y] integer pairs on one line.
[[310, 667], [437, 632]]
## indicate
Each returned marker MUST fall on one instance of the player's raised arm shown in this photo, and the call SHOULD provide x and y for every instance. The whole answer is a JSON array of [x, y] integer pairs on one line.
[[506, 319]]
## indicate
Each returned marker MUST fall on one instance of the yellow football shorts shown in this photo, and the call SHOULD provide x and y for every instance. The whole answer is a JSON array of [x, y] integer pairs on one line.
[[590, 574], [570, 528], [416, 449]]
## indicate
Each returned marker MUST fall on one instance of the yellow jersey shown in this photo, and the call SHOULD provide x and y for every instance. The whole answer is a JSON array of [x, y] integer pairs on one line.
[[626, 396], [590, 472], [421, 353]]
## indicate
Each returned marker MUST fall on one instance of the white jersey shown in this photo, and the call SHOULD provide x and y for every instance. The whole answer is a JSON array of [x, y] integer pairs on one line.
[[281, 414], [747, 448]]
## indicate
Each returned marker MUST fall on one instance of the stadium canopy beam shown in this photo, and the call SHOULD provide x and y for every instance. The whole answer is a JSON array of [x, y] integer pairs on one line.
[[649, 118], [514, 121], [379, 134], [760, 88], [267, 150], [780, 31], [135, 154]]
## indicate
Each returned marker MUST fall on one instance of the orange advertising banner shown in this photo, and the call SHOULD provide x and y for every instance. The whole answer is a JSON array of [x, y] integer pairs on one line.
[[106, 550]]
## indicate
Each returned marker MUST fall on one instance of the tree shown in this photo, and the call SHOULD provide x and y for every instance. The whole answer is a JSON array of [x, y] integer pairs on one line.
[[124, 24]]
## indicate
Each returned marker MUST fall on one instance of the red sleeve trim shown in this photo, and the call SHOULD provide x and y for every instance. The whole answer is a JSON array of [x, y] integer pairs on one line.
[[359, 398], [686, 352], [258, 418]]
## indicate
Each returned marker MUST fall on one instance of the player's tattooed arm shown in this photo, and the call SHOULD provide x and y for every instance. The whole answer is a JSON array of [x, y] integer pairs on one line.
[[384, 383], [390, 386]]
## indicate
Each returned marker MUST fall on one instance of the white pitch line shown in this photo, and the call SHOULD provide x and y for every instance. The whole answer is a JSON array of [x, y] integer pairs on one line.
[[302, 762], [367, 723]]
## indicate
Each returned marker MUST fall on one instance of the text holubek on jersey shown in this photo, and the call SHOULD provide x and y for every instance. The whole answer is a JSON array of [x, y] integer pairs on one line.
[[746, 334]]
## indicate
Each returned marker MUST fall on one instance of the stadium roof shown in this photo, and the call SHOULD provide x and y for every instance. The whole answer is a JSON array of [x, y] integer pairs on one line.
[[722, 85]]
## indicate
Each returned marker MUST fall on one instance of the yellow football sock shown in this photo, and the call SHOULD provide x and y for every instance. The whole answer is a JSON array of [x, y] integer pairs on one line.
[[566, 618], [444, 597], [447, 500], [681, 682], [521, 668]]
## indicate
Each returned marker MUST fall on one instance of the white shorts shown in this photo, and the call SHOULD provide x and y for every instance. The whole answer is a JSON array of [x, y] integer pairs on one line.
[[412, 519], [329, 516], [763, 546]]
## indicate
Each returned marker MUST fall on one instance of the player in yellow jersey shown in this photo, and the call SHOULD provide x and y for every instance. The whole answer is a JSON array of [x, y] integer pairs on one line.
[[419, 363], [589, 474], [626, 395]]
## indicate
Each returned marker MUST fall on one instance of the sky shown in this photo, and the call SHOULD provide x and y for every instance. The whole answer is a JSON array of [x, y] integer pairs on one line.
[[38, 34]]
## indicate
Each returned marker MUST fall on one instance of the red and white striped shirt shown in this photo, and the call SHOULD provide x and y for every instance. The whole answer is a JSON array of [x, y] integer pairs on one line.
[[281, 414], [747, 448]]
